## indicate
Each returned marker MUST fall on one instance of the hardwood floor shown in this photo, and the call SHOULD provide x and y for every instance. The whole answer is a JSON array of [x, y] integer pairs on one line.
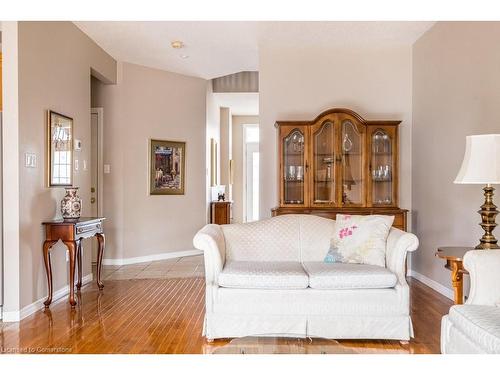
[[166, 316]]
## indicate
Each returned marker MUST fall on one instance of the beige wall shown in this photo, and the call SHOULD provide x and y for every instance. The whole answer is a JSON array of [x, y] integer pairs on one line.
[[225, 148], [151, 104], [55, 62], [299, 84], [456, 91], [238, 189], [10, 172]]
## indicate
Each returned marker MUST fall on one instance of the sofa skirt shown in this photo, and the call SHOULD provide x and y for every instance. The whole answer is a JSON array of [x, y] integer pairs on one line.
[[219, 325]]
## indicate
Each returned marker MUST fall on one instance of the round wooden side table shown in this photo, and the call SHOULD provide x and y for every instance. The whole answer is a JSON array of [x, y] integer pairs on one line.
[[454, 256]]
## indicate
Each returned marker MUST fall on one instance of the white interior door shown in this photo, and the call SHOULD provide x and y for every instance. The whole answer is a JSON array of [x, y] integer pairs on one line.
[[96, 168]]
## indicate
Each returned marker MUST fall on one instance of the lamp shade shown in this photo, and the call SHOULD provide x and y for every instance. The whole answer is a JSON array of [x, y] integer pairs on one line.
[[481, 164]]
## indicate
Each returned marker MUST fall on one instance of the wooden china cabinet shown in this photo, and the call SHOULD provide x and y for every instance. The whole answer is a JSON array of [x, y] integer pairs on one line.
[[339, 163]]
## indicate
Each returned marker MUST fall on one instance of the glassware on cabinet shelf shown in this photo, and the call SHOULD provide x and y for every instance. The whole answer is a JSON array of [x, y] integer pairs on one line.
[[294, 173], [298, 143], [382, 173], [382, 162], [294, 160], [300, 173], [381, 143]]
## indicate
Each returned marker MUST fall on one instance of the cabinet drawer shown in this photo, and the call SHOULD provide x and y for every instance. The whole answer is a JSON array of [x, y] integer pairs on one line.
[[88, 230]]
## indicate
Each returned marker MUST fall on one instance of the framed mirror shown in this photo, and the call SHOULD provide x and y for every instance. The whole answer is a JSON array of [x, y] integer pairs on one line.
[[59, 150]]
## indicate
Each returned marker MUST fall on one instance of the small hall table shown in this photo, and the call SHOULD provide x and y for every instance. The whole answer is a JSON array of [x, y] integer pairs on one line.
[[71, 233]]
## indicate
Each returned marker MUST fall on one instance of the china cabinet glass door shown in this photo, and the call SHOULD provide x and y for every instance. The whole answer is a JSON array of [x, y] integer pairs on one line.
[[352, 151], [382, 163], [324, 165], [293, 167]]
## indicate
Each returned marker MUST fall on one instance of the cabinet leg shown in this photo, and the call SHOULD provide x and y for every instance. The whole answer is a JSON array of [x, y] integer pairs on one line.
[[100, 253], [48, 269], [72, 246], [79, 262]]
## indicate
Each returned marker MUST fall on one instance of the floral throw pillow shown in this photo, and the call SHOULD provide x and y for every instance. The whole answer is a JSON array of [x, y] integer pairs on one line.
[[359, 239]]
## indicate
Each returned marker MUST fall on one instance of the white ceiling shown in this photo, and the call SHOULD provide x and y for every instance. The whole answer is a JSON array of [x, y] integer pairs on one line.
[[241, 104], [219, 48]]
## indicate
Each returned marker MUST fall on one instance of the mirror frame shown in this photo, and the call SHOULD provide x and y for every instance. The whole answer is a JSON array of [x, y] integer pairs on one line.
[[50, 116]]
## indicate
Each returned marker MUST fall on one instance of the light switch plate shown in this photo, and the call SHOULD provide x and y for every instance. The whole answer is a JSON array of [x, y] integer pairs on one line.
[[76, 164], [107, 168], [84, 165], [30, 160]]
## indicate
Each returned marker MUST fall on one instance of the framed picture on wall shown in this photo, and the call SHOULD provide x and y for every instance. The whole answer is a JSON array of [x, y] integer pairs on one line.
[[167, 167], [59, 150]]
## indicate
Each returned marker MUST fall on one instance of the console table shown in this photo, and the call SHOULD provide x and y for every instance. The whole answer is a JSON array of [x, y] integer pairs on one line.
[[71, 233]]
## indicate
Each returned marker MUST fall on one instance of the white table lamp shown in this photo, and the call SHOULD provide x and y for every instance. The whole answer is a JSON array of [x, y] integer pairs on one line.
[[481, 165]]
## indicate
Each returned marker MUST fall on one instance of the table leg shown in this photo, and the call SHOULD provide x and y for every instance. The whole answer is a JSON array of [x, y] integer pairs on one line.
[[48, 269], [72, 246], [79, 262], [100, 253], [457, 282]]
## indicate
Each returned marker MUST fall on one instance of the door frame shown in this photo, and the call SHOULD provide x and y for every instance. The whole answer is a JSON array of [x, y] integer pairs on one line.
[[100, 162], [245, 161]]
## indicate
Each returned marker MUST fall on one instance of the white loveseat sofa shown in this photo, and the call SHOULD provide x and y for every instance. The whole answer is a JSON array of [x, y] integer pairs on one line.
[[268, 278], [474, 327]]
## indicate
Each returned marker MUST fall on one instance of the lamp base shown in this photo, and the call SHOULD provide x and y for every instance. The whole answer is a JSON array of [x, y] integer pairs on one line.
[[488, 214]]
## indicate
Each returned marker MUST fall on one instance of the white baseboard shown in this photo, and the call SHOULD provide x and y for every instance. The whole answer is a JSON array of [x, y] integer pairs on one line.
[[149, 258], [15, 316], [11, 316], [447, 292]]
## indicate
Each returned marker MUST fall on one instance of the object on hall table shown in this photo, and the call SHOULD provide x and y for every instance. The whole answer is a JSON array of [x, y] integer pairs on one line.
[[71, 204]]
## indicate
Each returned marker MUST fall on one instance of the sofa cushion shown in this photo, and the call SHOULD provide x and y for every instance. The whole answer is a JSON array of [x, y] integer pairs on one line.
[[360, 239], [481, 324], [263, 275], [348, 276]]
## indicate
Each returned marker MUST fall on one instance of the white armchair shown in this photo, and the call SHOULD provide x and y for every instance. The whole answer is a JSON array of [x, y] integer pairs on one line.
[[474, 327]]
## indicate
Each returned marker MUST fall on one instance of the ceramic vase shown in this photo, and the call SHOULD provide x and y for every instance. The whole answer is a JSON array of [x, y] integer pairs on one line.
[[71, 204]]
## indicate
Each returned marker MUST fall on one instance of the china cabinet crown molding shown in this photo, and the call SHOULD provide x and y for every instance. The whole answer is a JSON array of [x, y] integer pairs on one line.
[[339, 163], [332, 111]]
